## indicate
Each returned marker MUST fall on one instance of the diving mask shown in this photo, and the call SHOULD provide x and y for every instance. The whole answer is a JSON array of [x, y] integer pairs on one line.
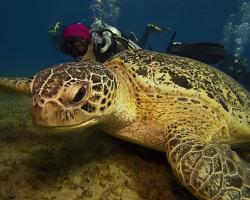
[[75, 46]]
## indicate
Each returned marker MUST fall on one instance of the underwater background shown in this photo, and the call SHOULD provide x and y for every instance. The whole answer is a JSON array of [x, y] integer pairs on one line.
[[39, 165], [26, 48]]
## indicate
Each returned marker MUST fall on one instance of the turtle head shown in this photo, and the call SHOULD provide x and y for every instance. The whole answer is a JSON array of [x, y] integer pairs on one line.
[[76, 94]]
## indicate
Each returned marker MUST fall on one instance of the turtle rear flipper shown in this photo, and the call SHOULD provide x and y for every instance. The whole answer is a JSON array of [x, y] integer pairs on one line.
[[208, 170], [18, 85]]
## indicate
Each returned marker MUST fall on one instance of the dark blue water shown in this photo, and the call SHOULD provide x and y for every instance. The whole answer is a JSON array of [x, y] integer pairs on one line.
[[25, 47]]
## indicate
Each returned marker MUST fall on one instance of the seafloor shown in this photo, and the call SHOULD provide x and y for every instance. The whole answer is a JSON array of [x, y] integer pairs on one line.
[[38, 165]]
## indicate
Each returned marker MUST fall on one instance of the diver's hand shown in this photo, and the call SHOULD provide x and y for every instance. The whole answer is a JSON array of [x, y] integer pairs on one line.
[[89, 55]]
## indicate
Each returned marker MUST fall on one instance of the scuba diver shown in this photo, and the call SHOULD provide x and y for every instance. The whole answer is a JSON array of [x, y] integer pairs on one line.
[[102, 41], [99, 43], [207, 52]]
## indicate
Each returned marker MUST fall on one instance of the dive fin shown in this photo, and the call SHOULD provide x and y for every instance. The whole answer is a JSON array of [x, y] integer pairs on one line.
[[172, 39], [207, 52], [17, 85], [210, 53]]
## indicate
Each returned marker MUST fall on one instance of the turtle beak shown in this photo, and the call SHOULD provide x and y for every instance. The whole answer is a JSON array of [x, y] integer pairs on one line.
[[47, 115], [53, 114]]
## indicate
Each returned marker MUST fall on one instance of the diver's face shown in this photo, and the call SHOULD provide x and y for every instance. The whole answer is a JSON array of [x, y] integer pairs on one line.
[[75, 47], [79, 48]]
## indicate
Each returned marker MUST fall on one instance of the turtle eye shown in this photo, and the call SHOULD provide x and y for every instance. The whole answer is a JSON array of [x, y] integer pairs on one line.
[[79, 96]]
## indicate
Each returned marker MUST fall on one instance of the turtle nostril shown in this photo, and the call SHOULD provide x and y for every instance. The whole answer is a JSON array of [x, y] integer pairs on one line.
[[42, 101]]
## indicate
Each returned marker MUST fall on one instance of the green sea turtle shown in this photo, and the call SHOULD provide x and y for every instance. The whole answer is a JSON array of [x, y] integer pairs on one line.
[[168, 103]]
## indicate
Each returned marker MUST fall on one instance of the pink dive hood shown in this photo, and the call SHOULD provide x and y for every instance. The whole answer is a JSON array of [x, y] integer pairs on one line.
[[76, 30]]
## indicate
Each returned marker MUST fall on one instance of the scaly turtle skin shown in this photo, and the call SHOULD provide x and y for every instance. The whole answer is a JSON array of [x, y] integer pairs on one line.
[[172, 104]]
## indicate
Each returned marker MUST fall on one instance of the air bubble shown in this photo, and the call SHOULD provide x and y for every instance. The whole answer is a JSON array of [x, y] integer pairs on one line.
[[237, 29]]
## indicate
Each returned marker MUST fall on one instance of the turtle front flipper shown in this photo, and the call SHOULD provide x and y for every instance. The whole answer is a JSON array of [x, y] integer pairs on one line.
[[209, 170], [20, 85]]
